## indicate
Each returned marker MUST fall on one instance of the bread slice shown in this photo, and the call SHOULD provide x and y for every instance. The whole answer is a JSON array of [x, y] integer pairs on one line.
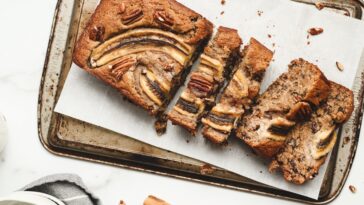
[[308, 144], [207, 79], [288, 100], [239, 93], [143, 48]]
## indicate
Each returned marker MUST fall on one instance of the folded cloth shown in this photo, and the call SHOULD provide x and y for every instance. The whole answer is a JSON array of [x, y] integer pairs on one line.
[[68, 188]]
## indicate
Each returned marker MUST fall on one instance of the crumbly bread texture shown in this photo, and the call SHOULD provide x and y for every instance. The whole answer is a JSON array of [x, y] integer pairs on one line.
[[308, 144], [239, 94], [216, 63], [143, 48], [290, 99]]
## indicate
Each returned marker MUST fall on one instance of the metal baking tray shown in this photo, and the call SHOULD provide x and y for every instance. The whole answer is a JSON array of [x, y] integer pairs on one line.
[[69, 137]]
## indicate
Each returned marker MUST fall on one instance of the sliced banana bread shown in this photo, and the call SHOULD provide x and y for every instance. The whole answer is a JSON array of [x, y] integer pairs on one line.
[[239, 93], [288, 100], [205, 82], [143, 48], [308, 144]]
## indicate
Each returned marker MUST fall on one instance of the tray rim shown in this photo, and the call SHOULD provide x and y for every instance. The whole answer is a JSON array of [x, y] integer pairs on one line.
[[97, 158]]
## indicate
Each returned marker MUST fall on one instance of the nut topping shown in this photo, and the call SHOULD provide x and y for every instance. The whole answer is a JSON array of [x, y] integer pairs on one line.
[[132, 17], [122, 8], [121, 67], [199, 83], [97, 33], [315, 31], [163, 18]]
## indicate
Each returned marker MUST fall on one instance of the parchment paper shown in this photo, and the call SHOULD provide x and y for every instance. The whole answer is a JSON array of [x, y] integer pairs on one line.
[[88, 99]]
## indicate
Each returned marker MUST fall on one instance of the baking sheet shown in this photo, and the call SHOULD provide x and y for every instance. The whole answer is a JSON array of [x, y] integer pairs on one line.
[[90, 100]]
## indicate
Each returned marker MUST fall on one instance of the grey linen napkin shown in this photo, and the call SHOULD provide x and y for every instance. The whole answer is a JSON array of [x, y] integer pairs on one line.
[[68, 188]]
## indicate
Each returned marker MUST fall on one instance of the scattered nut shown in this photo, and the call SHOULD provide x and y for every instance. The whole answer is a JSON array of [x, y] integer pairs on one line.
[[122, 202], [269, 36], [259, 13], [222, 13], [339, 66], [352, 189], [319, 5], [315, 31], [223, 2], [206, 169], [346, 140]]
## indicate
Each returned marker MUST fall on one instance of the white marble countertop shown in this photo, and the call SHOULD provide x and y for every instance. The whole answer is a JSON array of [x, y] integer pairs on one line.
[[25, 27]]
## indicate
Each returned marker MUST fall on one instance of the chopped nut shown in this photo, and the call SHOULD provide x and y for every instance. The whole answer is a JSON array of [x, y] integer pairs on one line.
[[269, 36], [122, 202], [132, 16], [339, 66], [121, 67], [122, 8], [163, 18], [206, 169], [352, 189], [346, 140], [259, 13], [319, 5], [97, 33], [222, 13], [315, 31], [223, 2]]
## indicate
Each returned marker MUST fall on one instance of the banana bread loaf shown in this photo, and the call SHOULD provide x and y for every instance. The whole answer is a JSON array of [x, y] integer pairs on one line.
[[143, 48]]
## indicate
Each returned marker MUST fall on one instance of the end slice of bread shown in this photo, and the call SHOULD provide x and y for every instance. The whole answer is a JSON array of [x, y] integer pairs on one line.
[[290, 99], [308, 144]]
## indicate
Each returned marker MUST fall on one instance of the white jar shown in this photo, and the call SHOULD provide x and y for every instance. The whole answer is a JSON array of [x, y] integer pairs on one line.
[[3, 132]]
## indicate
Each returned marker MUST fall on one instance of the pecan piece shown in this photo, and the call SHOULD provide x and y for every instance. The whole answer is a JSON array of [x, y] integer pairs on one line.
[[199, 83], [97, 33], [163, 18], [121, 67], [315, 31], [132, 16]]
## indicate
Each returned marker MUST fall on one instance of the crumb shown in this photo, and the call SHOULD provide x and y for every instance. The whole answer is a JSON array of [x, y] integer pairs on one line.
[[259, 13], [339, 66], [315, 31], [206, 169], [346, 140], [273, 44], [319, 5], [269, 36], [317, 60], [223, 2], [160, 125], [222, 13], [352, 189], [308, 42], [308, 36], [261, 171], [188, 141]]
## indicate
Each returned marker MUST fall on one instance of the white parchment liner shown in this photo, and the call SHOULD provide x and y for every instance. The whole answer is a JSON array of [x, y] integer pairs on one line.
[[88, 99]]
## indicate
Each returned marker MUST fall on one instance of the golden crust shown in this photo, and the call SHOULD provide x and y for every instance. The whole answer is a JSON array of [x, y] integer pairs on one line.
[[115, 17]]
